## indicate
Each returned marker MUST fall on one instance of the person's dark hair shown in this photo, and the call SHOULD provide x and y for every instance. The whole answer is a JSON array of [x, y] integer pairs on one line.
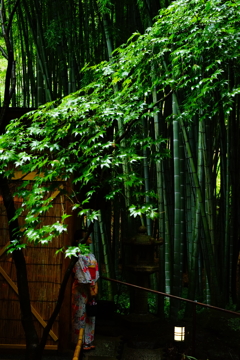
[[78, 236]]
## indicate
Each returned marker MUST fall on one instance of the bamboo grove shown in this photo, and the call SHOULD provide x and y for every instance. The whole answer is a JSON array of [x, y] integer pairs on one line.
[[53, 40], [150, 136]]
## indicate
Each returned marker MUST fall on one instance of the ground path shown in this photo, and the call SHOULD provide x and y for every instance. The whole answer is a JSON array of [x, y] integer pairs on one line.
[[136, 337]]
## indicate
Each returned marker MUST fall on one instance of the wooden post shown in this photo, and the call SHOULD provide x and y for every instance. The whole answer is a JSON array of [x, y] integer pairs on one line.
[[65, 312]]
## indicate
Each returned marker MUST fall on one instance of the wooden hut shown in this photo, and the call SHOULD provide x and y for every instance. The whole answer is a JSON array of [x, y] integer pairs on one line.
[[45, 273]]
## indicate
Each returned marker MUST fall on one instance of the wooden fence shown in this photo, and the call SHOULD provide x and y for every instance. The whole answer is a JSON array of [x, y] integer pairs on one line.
[[45, 272]]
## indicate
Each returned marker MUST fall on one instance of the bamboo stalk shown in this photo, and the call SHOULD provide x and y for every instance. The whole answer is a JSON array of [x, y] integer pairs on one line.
[[79, 345], [105, 255], [226, 272], [167, 244], [196, 231], [177, 273]]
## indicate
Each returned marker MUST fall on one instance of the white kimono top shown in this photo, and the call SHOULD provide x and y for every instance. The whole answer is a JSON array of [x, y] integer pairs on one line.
[[81, 270]]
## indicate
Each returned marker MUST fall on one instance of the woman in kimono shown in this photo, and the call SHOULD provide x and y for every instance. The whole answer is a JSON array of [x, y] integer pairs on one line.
[[84, 287]]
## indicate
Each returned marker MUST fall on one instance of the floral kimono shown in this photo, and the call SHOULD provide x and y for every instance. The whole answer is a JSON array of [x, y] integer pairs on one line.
[[85, 273]]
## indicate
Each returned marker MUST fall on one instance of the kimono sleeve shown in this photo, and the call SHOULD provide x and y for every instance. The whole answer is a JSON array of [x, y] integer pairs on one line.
[[82, 273]]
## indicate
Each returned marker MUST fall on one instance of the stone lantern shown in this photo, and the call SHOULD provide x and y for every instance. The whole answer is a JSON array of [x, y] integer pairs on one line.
[[143, 263]]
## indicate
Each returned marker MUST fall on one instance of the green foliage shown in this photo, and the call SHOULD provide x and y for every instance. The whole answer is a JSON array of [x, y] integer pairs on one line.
[[122, 302], [74, 250], [3, 68], [166, 307], [55, 32], [15, 245], [105, 6], [77, 137], [121, 298], [147, 209], [234, 324], [152, 303]]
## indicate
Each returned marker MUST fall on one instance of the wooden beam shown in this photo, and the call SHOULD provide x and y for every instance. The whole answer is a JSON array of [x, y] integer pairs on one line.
[[64, 314], [55, 194], [23, 346], [19, 175], [4, 249], [35, 313]]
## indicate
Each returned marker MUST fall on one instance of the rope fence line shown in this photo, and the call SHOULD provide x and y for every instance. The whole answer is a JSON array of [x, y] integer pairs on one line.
[[194, 302]]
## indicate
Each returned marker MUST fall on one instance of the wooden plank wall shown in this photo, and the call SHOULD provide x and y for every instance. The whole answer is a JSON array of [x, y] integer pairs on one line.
[[45, 273]]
